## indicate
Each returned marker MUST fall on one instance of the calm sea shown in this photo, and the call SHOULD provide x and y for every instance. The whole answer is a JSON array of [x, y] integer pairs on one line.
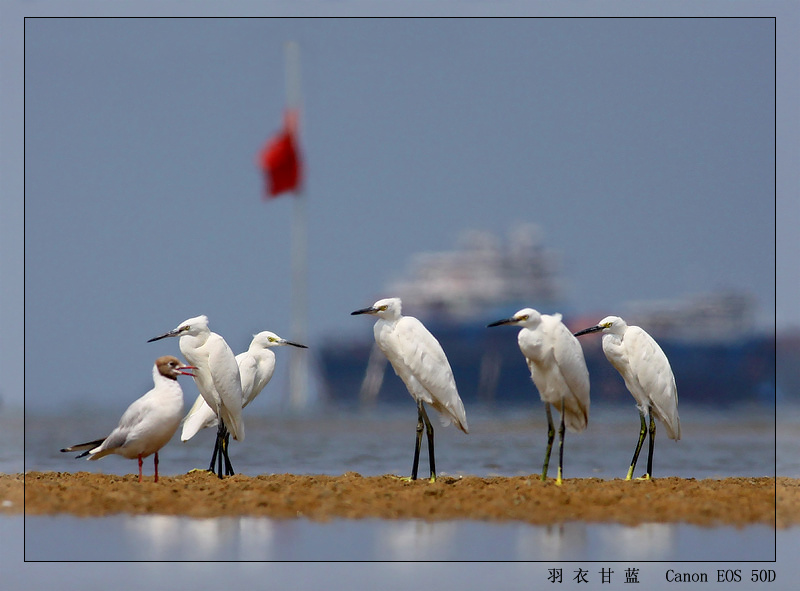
[[733, 442]]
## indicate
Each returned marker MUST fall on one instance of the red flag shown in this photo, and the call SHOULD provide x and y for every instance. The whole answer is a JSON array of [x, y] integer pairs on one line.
[[280, 159]]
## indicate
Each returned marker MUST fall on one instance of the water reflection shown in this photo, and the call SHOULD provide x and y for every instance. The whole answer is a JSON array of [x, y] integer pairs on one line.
[[163, 537], [562, 541], [648, 541], [416, 540], [159, 538]]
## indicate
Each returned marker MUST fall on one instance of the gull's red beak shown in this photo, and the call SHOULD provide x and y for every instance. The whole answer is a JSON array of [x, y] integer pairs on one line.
[[187, 373]]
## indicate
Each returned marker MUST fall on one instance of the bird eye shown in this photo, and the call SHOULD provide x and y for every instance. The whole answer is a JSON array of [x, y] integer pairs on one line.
[[272, 339], [524, 317], [383, 308]]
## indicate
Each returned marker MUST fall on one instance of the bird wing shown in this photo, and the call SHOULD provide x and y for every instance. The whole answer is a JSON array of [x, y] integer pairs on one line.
[[247, 374], [199, 357], [427, 363], [225, 375], [256, 374], [568, 356], [650, 367], [199, 417], [128, 424]]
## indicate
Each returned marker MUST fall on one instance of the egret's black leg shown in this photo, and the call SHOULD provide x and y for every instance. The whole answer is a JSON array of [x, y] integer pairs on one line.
[[642, 433], [214, 455], [560, 444], [418, 441], [551, 433], [225, 443], [220, 447], [652, 445], [220, 437], [429, 433], [221, 451]]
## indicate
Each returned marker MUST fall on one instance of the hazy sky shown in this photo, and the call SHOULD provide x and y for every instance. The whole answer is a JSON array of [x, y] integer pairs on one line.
[[645, 149]]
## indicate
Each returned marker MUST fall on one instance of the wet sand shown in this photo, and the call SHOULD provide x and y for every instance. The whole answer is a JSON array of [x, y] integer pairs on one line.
[[709, 502]]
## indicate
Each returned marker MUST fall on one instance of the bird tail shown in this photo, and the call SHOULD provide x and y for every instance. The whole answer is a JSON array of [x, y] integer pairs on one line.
[[673, 428], [462, 424], [89, 445], [668, 418], [576, 415], [234, 424], [199, 417], [454, 414]]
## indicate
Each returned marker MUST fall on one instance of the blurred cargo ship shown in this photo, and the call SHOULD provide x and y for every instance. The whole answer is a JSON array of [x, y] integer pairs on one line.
[[716, 354]]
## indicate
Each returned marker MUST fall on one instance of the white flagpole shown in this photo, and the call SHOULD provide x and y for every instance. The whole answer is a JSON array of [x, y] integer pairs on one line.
[[298, 361]]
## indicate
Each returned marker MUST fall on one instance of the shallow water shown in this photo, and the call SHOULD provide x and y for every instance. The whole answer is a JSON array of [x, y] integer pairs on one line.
[[412, 551], [508, 442], [263, 539]]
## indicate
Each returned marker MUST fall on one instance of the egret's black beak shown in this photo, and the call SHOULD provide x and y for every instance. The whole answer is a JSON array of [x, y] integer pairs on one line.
[[588, 330], [171, 333], [501, 322], [295, 345], [369, 310]]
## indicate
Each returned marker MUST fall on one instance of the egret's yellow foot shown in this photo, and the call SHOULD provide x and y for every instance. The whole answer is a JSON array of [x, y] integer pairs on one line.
[[409, 479], [199, 470], [645, 477]]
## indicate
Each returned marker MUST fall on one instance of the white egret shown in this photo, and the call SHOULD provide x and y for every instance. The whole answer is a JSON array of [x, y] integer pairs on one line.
[[149, 423], [648, 376], [217, 377], [418, 358], [256, 366], [558, 370]]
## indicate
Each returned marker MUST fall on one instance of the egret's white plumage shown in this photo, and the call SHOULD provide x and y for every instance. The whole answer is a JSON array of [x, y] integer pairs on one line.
[[418, 359], [149, 422], [558, 370], [256, 366], [647, 374], [217, 379], [217, 374]]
